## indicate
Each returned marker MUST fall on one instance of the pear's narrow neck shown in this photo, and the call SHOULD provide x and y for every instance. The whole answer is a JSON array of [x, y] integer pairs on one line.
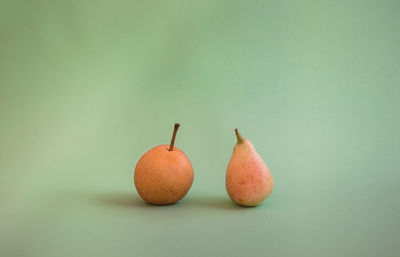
[[240, 138]]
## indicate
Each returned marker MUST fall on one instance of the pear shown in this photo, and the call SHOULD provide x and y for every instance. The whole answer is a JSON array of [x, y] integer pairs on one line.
[[248, 179], [164, 174]]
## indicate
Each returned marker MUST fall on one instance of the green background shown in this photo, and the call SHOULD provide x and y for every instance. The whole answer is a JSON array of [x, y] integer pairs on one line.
[[88, 86]]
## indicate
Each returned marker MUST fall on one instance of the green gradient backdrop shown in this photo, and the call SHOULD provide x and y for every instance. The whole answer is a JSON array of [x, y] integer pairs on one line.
[[88, 86]]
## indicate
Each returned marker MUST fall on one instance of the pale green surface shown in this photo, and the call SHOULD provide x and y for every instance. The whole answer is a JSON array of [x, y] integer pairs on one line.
[[88, 86]]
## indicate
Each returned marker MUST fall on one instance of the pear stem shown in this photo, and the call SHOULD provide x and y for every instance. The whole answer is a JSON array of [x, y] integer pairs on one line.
[[171, 146], [240, 138]]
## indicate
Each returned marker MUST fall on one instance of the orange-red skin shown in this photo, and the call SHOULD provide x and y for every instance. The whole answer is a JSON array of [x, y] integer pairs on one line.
[[248, 179], [163, 177]]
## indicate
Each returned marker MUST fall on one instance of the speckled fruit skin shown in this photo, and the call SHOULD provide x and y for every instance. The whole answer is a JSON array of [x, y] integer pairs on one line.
[[163, 177], [248, 179]]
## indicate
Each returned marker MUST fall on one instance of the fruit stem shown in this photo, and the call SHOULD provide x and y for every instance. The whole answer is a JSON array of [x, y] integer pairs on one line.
[[171, 146], [240, 138]]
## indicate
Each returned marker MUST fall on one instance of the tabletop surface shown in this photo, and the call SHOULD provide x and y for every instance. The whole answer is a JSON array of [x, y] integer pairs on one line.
[[87, 87]]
